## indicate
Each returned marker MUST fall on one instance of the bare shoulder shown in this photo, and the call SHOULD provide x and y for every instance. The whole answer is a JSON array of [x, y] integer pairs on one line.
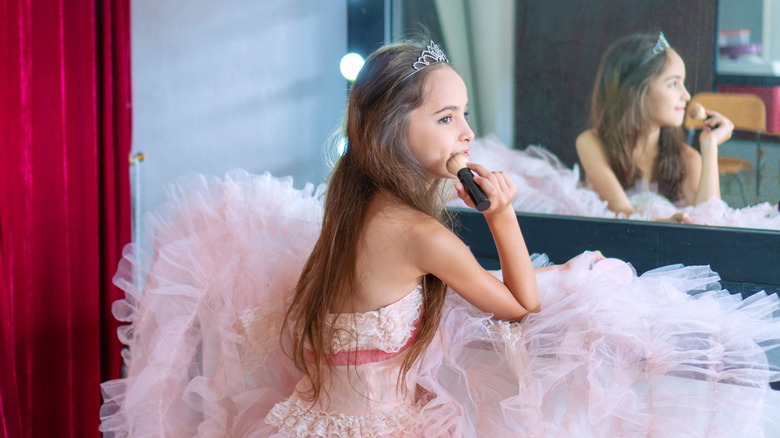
[[425, 236], [589, 135], [690, 156], [389, 254], [688, 152], [401, 225], [589, 141], [591, 152], [424, 229]]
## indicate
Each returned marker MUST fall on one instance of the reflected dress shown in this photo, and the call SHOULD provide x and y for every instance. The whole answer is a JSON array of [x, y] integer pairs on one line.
[[546, 185], [668, 353]]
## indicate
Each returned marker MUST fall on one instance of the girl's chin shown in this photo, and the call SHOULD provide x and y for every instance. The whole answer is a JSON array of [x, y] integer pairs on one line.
[[676, 123]]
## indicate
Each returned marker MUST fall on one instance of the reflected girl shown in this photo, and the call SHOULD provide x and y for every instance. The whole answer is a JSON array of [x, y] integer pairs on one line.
[[635, 142]]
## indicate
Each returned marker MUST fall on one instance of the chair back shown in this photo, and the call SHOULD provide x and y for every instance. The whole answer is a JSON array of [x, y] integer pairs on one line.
[[746, 111]]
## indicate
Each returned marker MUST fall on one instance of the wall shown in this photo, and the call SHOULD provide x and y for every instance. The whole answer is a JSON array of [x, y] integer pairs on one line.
[[742, 14], [235, 84]]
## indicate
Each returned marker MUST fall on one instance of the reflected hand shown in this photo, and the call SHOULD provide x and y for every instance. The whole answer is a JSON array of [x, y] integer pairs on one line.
[[591, 256], [678, 218], [717, 129]]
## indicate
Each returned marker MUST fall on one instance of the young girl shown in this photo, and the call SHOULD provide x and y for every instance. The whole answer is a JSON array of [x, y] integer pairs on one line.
[[391, 328], [383, 242], [636, 141]]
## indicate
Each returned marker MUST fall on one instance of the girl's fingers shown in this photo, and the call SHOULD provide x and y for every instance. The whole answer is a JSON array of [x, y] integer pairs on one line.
[[508, 185], [498, 186], [718, 127], [682, 218], [480, 169], [497, 181], [717, 119], [501, 179], [485, 177], [487, 186], [498, 178]]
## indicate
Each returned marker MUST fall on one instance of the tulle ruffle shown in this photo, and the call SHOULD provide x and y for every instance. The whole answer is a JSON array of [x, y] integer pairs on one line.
[[296, 418], [611, 354], [221, 248]]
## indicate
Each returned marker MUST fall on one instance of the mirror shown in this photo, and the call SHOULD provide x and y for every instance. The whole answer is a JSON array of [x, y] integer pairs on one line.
[[545, 55]]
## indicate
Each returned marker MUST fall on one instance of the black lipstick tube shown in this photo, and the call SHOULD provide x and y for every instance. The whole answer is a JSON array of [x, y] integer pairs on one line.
[[478, 197]]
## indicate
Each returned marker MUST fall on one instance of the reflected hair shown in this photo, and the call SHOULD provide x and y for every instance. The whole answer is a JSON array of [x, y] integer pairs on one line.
[[619, 116]]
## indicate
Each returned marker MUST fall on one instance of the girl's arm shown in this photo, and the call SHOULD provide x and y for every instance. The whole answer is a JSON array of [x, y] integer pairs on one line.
[[517, 269], [701, 180], [596, 166], [436, 250]]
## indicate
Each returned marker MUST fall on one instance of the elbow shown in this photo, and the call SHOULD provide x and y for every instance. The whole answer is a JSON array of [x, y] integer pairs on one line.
[[517, 317], [535, 309], [526, 313]]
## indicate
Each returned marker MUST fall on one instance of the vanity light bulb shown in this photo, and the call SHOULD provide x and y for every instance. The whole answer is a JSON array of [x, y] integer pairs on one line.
[[350, 65], [341, 146]]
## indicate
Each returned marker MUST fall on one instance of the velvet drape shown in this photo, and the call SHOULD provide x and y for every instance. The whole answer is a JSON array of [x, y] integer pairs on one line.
[[65, 120]]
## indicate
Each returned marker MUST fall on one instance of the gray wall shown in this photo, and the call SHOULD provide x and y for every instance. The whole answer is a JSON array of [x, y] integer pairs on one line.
[[742, 14], [230, 84]]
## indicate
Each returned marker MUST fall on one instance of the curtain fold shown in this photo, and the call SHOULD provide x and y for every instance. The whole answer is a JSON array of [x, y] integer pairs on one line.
[[64, 209]]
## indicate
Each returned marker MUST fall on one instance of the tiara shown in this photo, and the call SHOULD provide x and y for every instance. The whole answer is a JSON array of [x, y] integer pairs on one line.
[[432, 54], [660, 46]]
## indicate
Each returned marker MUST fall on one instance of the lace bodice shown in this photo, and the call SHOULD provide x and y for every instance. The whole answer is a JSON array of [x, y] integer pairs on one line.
[[361, 396], [388, 329]]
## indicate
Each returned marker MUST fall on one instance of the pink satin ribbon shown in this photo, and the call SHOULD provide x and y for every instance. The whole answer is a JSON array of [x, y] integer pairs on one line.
[[361, 357]]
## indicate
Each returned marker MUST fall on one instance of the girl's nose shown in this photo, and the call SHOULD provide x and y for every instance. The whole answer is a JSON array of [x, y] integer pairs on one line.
[[467, 134], [686, 95]]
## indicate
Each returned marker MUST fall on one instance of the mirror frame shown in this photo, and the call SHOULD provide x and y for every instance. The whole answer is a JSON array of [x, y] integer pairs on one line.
[[742, 257]]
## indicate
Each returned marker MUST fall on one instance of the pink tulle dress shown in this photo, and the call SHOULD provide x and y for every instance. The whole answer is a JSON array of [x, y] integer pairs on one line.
[[611, 354]]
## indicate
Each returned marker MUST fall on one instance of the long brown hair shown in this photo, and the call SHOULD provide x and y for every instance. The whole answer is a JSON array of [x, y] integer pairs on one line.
[[618, 113], [376, 124]]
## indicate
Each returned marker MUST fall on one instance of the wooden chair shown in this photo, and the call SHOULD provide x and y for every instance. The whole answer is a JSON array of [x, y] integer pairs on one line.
[[748, 113]]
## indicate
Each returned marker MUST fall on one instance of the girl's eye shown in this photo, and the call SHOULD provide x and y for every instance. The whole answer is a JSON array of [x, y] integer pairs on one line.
[[673, 84], [446, 119], [466, 114]]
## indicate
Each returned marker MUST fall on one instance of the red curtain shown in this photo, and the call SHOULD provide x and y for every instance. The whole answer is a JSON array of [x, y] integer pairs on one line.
[[65, 120]]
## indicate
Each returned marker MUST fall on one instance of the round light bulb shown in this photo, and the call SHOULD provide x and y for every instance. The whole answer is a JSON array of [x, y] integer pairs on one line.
[[341, 146], [350, 65]]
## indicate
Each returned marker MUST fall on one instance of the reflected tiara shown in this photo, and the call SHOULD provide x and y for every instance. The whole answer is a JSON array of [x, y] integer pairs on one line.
[[660, 46], [431, 55]]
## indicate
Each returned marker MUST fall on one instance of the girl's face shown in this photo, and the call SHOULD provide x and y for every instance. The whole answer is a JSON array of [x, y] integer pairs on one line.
[[438, 128], [667, 96]]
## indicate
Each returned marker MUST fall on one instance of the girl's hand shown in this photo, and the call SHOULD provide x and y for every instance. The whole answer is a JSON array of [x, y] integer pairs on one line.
[[498, 187], [717, 129], [591, 256], [678, 218]]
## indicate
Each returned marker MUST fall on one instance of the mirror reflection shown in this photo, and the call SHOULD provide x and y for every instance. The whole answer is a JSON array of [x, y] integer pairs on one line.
[[531, 68]]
